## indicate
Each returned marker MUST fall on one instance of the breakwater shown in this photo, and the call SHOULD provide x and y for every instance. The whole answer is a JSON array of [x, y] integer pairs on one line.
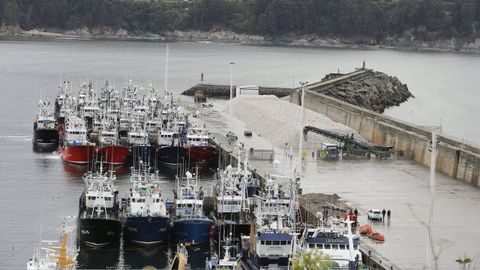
[[223, 91], [364, 87], [458, 159]]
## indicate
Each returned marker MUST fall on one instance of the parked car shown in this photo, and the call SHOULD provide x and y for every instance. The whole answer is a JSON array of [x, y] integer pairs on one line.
[[375, 214], [247, 133]]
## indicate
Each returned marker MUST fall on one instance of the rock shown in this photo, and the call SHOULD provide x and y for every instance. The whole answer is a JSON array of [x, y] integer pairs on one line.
[[376, 92]]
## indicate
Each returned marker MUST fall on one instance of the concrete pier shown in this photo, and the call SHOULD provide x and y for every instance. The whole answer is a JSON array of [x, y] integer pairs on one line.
[[399, 185]]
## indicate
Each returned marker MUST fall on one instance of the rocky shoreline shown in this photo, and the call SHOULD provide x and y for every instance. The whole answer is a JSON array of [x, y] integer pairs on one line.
[[405, 42], [375, 92]]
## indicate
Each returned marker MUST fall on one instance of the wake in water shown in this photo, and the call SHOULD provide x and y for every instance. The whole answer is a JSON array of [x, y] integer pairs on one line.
[[17, 137], [54, 156]]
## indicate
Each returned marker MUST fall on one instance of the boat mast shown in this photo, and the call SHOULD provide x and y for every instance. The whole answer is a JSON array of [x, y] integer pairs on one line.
[[166, 68]]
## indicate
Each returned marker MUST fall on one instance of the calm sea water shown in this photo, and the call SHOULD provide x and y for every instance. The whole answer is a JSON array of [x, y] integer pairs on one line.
[[37, 191]]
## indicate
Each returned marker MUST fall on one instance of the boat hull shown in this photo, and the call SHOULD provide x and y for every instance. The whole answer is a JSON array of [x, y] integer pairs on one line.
[[77, 154], [203, 154], [171, 155], [44, 139], [113, 154], [99, 233], [144, 153], [264, 262], [232, 229], [193, 230], [146, 231]]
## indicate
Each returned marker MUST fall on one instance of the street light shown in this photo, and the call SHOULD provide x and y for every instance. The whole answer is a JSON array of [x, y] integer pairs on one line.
[[231, 79], [435, 130], [300, 141]]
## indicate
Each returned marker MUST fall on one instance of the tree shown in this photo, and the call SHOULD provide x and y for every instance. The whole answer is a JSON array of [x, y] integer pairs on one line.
[[12, 13], [464, 262], [464, 16]]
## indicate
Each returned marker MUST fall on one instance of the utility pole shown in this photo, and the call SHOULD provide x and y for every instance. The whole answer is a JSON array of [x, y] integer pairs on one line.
[[300, 139], [433, 162]]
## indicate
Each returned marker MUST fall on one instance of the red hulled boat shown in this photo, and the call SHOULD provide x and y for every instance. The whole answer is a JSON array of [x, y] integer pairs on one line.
[[74, 147], [77, 154], [202, 153], [198, 147], [110, 151], [113, 154]]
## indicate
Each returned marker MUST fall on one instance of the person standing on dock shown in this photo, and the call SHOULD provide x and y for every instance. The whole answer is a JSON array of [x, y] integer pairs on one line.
[[383, 214], [388, 214]]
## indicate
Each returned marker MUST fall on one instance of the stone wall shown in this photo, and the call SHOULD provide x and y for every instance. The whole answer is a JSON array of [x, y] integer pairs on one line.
[[455, 158]]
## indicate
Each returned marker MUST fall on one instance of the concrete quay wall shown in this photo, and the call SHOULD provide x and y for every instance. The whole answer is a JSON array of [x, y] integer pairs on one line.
[[455, 158]]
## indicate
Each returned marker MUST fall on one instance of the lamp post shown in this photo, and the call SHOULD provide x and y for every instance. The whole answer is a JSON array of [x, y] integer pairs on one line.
[[433, 161], [300, 139], [231, 79]]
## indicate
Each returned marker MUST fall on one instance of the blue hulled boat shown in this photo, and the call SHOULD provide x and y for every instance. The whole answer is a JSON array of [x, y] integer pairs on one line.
[[146, 220], [190, 225]]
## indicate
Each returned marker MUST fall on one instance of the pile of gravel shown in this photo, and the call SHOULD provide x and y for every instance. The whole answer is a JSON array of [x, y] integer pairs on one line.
[[279, 121]]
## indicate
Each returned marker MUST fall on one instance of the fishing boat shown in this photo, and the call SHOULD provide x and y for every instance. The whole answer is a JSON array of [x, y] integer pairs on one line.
[[58, 257], [110, 151], [170, 151], [146, 220], [45, 133], [232, 204], [99, 224], [60, 103], [337, 242], [275, 226], [230, 260], [199, 148], [190, 224], [74, 146], [141, 150]]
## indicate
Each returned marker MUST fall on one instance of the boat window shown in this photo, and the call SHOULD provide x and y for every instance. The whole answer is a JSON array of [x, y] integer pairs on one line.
[[311, 245], [283, 243], [355, 247], [320, 246], [334, 246], [268, 243], [189, 205], [133, 200], [275, 243], [262, 242], [342, 246], [327, 246]]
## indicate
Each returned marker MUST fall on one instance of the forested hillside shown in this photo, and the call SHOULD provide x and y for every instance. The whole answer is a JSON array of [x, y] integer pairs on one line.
[[375, 19]]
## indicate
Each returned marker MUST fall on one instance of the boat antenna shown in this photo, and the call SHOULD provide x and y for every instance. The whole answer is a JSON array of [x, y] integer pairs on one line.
[[166, 67]]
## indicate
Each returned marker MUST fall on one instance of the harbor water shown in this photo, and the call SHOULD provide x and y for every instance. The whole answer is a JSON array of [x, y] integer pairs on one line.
[[38, 191]]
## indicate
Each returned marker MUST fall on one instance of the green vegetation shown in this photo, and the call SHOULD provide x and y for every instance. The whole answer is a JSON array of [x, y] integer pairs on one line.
[[374, 19], [313, 260]]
